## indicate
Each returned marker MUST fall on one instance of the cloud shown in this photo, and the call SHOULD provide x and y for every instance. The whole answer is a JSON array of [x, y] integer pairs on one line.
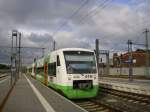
[[69, 39], [114, 25], [40, 39], [38, 19]]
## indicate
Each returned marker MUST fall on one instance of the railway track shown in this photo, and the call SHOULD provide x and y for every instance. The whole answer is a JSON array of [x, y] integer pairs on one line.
[[145, 99], [109, 100], [2, 76], [92, 105]]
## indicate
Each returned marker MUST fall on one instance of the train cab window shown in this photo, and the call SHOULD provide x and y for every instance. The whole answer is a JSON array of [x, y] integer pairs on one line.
[[58, 61]]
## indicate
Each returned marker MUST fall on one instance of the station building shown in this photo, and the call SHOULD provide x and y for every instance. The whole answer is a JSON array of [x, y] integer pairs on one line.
[[139, 59]]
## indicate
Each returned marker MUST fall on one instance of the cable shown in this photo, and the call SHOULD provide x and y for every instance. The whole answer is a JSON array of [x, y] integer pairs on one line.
[[72, 15], [63, 24], [101, 6]]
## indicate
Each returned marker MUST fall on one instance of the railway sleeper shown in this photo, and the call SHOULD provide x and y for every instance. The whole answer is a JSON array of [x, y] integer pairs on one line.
[[128, 95]]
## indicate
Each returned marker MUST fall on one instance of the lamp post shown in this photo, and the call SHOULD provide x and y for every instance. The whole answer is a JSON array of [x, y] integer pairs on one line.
[[19, 68], [13, 55], [15, 52]]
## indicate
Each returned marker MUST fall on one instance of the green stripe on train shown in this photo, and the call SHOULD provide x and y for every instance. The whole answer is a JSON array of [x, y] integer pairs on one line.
[[71, 93]]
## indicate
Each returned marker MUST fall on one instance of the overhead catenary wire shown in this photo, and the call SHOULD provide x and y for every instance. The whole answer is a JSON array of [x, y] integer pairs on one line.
[[100, 6], [131, 28], [103, 5], [70, 17]]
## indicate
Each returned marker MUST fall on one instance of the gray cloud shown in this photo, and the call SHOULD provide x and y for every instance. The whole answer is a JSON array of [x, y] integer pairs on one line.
[[40, 38], [38, 19]]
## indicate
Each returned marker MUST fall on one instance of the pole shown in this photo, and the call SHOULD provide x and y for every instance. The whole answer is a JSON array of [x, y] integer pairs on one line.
[[120, 59], [19, 54], [130, 60], [43, 52], [97, 54], [147, 52], [107, 63], [54, 45], [11, 60], [16, 56]]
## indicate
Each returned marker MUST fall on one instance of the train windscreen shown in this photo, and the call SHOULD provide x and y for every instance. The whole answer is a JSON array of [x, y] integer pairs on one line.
[[79, 62]]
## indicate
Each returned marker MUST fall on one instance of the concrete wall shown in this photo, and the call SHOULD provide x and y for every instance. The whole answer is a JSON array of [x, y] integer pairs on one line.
[[125, 71]]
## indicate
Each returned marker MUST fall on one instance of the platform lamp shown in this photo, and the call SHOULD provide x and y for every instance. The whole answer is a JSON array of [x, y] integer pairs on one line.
[[14, 34]]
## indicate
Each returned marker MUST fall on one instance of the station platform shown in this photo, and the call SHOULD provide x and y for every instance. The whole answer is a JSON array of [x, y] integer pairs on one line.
[[29, 95], [134, 86], [5, 86]]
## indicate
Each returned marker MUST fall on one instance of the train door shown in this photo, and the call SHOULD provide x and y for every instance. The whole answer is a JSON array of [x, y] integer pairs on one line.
[[52, 72], [46, 73], [58, 69], [35, 71], [32, 72]]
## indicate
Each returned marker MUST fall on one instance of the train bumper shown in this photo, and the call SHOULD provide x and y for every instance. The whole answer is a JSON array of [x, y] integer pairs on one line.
[[79, 93]]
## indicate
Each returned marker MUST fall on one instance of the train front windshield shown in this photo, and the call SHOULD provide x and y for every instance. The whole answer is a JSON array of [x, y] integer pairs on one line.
[[79, 62]]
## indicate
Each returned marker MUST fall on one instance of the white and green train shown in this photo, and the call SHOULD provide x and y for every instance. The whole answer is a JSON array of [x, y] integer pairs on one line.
[[73, 71]]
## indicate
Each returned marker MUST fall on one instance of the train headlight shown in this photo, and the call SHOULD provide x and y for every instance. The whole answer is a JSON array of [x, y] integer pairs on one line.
[[69, 78], [88, 76], [76, 77]]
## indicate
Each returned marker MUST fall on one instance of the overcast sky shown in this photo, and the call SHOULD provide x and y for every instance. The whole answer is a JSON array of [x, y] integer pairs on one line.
[[75, 23]]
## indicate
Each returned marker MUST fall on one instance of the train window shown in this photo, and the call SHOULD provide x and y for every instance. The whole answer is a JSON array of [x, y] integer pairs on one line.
[[52, 69], [58, 61], [79, 62], [40, 70]]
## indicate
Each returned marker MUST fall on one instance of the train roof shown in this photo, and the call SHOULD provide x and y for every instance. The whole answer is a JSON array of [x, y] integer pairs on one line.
[[68, 49], [73, 49]]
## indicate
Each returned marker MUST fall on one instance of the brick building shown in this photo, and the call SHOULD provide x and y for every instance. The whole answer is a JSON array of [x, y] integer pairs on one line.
[[139, 59]]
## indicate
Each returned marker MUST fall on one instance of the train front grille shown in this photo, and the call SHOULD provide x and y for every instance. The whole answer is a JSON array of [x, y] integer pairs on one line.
[[82, 84]]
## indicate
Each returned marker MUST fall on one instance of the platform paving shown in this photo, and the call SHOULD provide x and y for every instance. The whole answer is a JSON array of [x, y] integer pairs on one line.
[[23, 98], [135, 86], [4, 88]]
